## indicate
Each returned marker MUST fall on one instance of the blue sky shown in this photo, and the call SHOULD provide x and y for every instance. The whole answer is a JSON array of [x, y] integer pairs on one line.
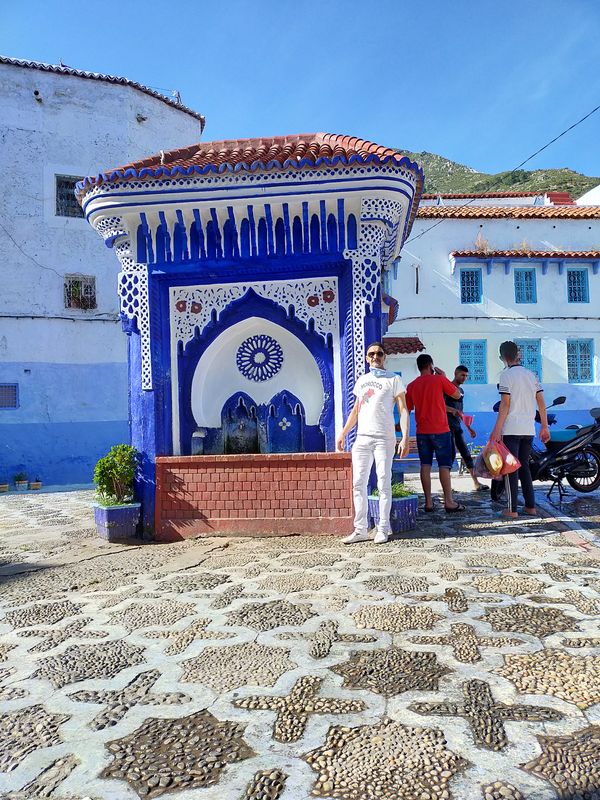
[[484, 83]]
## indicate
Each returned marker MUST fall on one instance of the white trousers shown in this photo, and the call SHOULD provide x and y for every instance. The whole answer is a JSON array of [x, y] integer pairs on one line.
[[364, 450]]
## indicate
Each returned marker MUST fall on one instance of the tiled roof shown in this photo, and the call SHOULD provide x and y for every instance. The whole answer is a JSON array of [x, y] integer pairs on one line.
[[509, 212], [59, 69], [402, 345], [469, 196], [541, 254], [272, 152]]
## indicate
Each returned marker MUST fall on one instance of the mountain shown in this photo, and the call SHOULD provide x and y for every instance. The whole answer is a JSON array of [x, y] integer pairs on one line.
[[449, 177]]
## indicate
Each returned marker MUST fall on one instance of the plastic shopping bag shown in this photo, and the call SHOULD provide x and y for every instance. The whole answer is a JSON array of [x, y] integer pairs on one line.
[[510, 463], [479, 468], [493, 459]]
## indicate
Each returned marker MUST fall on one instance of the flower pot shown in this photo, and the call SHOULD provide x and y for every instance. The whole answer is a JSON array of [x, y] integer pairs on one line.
[[116, 523], [403, 515], [35, 484], [21, 486], [3, 488]]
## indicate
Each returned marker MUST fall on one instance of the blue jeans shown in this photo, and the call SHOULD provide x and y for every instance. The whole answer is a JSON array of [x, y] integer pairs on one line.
[[441, 444]]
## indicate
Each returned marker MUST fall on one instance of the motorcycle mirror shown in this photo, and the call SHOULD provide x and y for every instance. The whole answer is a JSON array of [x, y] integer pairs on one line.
[[595, 412], [558, 401], [497, 406]]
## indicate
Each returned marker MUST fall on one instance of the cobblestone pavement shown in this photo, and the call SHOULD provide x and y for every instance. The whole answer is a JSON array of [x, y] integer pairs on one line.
[[458, 663]]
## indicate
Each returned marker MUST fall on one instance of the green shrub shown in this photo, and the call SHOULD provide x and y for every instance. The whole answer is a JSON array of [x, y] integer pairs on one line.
[[398, 490], [114, 475]]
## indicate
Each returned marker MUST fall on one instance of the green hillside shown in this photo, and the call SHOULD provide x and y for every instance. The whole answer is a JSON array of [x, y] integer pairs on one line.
[[449, 177]]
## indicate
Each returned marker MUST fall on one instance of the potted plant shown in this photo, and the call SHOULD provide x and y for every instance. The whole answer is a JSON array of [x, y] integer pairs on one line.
[[116, 513], [21, 483], [3, 486], [403, 515], [36, 484]]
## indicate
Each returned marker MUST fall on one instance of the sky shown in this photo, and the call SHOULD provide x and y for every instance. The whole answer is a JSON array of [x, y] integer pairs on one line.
[[482, 83]]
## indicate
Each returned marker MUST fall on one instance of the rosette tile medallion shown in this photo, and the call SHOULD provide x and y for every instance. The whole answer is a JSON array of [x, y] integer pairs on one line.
[[166, 755], [300, 231], [387, 760]]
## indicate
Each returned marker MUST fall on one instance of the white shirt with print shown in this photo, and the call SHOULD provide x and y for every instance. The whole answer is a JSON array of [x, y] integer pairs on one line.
[[376, 398], [522, 385]]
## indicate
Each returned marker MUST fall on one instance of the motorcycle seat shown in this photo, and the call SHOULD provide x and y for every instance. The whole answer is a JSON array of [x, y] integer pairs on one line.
[[564, 435]]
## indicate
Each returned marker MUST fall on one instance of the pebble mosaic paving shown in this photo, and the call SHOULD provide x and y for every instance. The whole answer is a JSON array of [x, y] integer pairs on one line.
[[462, 662]]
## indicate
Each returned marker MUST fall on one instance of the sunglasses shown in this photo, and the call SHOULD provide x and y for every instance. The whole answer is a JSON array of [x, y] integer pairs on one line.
[[375, 353]]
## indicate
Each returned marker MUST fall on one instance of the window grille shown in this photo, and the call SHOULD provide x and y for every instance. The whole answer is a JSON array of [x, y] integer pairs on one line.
[[577, 286], [473, 354], [531, 355], [470, 286], [9, 395], [525, 286], [80, 291], [66, 203], [580, 360]]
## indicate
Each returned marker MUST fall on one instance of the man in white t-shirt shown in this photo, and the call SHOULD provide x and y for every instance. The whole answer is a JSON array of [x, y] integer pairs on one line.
[[520, 395], [376, 392]]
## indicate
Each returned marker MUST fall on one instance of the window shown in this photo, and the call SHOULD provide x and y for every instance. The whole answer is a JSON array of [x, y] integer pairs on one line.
[[66, 203], [9, 395], [80, 291], [470, 286], [473, 354], [577, 286], [531, 355], [525, 287], [580, 360]]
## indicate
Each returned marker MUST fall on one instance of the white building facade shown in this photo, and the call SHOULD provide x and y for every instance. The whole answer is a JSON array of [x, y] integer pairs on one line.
[[63, 360], [478, 270]]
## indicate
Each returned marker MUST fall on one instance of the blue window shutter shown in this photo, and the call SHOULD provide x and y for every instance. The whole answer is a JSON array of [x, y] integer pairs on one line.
[[577, 286], [525, 286], [580, 360], [471, 285], [473, 354], [531, 355]]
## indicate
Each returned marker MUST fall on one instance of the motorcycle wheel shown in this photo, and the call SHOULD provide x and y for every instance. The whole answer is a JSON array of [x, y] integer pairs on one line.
[[497, 491], [591, 483]]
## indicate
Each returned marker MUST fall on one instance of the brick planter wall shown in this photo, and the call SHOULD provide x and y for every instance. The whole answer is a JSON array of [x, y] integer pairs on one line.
[[254, 495]]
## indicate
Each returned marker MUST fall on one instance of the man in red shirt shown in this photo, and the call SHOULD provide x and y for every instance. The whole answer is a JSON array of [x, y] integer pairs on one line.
[[426, 395]]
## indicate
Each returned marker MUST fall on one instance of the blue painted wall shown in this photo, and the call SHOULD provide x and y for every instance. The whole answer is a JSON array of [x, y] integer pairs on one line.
[[69, 415]]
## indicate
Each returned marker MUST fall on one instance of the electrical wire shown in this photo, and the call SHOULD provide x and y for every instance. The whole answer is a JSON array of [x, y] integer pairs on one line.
[[514, 169]]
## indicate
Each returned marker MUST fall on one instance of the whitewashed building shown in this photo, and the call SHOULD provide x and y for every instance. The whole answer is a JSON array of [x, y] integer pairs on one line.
[[480, 269], [63, 361]]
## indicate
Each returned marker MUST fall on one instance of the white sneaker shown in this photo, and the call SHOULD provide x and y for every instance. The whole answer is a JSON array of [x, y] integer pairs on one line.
[[381, 537], [356, 536]]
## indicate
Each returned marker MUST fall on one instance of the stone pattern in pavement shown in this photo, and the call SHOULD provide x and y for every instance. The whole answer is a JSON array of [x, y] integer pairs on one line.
[[220, 664]]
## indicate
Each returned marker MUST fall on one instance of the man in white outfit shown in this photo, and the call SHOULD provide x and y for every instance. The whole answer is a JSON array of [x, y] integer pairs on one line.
[[376, 392]]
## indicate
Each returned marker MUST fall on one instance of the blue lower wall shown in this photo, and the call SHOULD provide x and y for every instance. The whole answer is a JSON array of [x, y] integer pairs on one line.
[[57, 452], [68, 416]]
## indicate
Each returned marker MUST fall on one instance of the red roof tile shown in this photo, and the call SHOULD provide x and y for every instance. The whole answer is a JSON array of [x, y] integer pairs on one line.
[[541, 254], [402, 345], [274, 152], [509, 212], [474, 195], [60, 69]]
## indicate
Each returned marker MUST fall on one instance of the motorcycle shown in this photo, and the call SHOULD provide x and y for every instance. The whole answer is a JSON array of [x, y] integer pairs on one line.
[[572, 454]]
